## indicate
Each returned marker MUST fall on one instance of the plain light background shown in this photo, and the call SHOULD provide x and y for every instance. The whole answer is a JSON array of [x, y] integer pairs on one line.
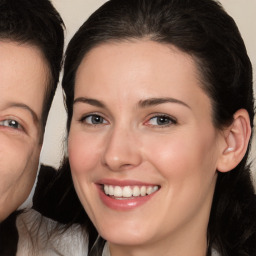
[[75, 12]]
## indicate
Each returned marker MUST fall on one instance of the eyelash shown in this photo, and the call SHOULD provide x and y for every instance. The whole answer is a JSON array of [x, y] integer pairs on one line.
[[170, 120], [83, 120], [9, 122]]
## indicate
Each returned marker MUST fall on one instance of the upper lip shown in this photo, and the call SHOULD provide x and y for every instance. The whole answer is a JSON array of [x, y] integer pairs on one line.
[[123, 183]]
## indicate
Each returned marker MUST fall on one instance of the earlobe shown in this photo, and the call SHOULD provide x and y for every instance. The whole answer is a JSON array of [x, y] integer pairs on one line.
[[236, 138]]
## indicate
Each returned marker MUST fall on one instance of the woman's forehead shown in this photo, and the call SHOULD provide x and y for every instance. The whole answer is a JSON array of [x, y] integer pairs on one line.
[[131, 72]]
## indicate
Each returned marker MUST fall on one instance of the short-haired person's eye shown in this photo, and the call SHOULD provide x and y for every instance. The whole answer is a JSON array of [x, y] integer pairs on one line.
[[161, 121], [11, 123], [93, 120]]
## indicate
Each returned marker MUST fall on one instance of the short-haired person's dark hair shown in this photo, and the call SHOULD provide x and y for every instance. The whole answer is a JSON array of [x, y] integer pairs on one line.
[[202, 29], [37, 23]]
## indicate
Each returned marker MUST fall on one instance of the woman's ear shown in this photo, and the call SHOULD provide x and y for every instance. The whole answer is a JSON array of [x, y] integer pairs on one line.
[[236, 138]]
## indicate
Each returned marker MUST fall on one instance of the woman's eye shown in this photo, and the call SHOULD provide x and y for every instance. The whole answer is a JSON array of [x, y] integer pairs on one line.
[[161, 121], [11, 123], [94, 120]]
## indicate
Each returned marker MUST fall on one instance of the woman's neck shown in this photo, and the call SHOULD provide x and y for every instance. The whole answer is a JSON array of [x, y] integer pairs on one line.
[[189, 246]]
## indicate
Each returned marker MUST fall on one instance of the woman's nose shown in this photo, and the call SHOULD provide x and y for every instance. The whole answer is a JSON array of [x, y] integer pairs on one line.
[[122, 150]]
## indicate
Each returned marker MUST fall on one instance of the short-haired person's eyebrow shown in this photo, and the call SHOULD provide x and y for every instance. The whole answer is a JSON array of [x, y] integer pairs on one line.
[[26, 107], [89, 101], [157, 101]]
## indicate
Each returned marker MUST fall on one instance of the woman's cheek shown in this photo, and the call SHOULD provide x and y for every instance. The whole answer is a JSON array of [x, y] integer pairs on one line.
[[167, 152], [82, 151]]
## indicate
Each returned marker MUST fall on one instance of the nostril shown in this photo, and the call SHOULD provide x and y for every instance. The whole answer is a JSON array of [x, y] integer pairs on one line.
[[126, 166]]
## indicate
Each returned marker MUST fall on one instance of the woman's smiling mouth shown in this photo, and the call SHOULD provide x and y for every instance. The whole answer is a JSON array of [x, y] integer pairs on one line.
[[128, 192], [125, 195]]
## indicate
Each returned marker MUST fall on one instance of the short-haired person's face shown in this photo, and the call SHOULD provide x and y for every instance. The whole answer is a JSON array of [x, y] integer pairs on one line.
[[143, 148], [23, 81]]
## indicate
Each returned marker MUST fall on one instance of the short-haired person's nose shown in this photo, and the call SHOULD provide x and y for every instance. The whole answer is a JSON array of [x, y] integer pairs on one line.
[[122, 150]]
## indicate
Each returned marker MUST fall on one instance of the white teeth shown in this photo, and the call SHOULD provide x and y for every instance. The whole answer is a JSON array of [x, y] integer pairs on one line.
[[155, 188], [118, 191], [106, 190], [149, 190], [136, 191], [129, 191], [143, 191], [110, 190]]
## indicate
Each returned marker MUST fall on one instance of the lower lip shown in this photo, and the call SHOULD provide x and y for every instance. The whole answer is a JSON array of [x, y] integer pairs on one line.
[[124, 204]]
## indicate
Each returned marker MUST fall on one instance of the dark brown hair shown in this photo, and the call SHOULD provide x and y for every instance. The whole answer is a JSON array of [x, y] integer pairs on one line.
[[36, 22], [202, 29]]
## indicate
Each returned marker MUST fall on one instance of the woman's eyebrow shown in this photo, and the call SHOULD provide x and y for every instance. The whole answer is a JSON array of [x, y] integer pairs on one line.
[[157, 101], [26, 107], [142, 103], [89, 101]]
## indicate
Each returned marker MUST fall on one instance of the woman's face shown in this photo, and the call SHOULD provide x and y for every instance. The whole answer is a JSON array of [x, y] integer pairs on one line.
[[23, 82], [143, 150]]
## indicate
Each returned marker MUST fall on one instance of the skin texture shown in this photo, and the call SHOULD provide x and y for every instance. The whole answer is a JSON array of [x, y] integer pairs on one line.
[[23, 81], [180, 156]]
